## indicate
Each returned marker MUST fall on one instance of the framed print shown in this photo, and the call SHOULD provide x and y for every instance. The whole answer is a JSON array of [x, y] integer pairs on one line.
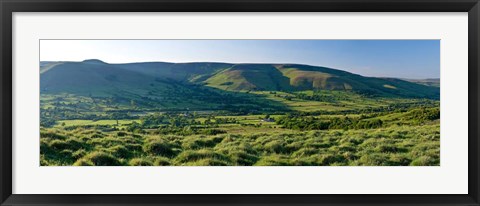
[[239, 102], [206, 113]]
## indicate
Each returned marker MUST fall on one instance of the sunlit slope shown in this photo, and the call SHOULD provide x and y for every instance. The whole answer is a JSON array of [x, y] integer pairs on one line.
[[305, 77], [184, 72], [145, 87], [294, 77], [45, 66], [95, 76], [250, 77]]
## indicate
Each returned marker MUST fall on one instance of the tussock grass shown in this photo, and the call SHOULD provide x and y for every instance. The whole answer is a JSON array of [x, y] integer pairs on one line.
[[140, 162], [159, 147], [162, 161], [200, 156], [99, 159], [391, 146]]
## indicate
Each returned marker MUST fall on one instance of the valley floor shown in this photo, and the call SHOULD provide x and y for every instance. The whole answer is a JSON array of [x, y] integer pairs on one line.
[[320, 129]]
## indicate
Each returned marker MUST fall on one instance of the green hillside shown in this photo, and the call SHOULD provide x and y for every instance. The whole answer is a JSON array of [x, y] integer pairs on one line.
[[184, 72], [204, 113], [92, 78], [145, 85], [305, 77], [250, 77], [266, 77], [100, 78]]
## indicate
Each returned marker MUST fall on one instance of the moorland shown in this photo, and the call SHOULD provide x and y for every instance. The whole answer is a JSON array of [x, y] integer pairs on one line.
[[94, 113]]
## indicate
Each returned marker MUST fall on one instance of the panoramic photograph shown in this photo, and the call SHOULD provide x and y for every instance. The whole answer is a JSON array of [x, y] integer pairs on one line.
[[239, 102]]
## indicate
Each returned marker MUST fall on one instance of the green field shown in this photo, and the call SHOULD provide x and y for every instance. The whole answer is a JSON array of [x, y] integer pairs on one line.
[[340, 132], [213, 114], [79, 122]]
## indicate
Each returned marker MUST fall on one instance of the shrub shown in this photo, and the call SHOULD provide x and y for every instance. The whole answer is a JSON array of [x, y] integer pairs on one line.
[[121, 134], [212, 131]]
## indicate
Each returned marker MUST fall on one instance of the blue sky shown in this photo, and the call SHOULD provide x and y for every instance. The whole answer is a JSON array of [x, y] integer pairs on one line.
[[380, 58]]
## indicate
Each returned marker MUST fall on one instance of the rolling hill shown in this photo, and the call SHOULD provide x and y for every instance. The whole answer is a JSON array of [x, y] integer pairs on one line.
[[434, 82], [162, 78]]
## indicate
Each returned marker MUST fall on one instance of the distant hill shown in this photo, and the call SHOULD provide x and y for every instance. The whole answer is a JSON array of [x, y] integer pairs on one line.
[[434, 82], [90, 77], [100, 78]]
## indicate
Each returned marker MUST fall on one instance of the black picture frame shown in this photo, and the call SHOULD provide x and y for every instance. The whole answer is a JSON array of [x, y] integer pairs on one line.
[[7, 7]]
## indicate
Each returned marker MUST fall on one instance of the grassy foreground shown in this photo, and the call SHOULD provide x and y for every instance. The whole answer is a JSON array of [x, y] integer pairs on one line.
[[390, 146]]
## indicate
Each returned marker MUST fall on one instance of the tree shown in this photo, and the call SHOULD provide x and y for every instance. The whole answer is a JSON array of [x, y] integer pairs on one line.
[[133, 103], [116, 116]]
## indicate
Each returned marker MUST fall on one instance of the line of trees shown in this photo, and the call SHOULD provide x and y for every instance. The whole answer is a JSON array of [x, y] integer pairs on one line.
[[365, 121], [313, 123]]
